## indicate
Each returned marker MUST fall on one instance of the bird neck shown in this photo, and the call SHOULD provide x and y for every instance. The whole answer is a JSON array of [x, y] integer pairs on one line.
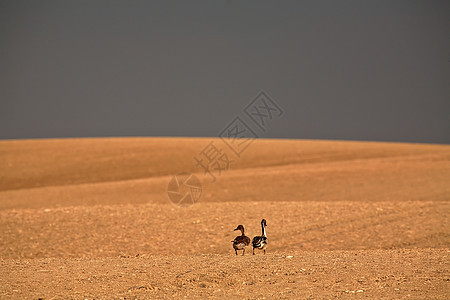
[[242, 231], [263, 229]]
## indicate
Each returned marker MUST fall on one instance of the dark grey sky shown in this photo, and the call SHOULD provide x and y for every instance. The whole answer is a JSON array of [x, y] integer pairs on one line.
[[358, 70]]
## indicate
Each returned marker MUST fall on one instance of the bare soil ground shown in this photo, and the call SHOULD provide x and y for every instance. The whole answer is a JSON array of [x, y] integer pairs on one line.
[[374, 274], [90, 219]]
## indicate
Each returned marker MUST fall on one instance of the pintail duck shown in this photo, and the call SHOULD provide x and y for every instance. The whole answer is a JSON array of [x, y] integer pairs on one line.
[[260, 242], [241, 241]]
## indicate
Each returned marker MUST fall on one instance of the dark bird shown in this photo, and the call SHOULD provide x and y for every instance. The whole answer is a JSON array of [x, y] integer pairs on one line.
[[260, 242], [241, 241]]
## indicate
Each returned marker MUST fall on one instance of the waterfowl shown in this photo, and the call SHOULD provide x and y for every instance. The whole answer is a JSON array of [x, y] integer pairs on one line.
[[260, 242], [241, 241]]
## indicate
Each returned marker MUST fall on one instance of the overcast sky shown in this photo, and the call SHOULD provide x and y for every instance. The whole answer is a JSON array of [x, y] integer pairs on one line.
[[352, 70]]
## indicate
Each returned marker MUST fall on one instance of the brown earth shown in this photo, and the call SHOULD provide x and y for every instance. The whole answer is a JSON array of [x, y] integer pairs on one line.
[[90, 218]]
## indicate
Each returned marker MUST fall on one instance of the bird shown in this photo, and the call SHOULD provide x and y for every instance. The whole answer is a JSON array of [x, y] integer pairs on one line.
[[260, 241], [241, 241]]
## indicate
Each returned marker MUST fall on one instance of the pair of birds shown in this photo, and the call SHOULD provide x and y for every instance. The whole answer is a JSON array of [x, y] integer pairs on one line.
[[258, 242]]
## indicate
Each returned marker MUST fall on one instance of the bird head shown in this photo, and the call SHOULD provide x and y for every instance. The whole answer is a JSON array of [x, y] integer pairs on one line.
[[240, 227]]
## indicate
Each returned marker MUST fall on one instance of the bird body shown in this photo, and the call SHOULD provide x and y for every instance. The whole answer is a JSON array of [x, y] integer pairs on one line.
[[241, 241], [260, 241]]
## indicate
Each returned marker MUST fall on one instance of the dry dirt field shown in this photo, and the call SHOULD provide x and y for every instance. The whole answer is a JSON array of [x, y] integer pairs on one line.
[[91, 219]]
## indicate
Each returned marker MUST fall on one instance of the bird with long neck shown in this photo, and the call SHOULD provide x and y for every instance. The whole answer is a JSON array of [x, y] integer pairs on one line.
[[260, 241], [241, 241]]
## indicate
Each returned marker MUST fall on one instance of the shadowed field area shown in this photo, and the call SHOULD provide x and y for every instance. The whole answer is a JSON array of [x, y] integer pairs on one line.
[[90, 218]]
